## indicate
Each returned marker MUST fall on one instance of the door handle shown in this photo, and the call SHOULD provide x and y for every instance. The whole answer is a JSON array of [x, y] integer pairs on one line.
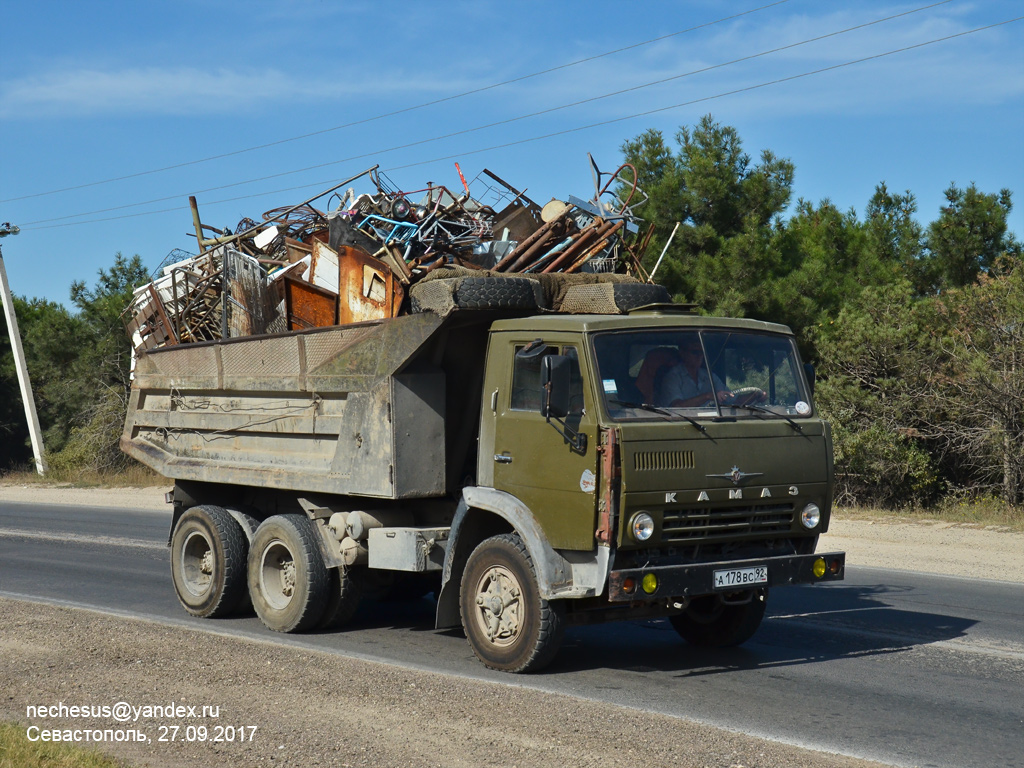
[[503, 458]]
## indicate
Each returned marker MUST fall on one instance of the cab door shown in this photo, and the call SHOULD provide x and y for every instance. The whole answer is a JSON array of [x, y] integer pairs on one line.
[[535, 463]]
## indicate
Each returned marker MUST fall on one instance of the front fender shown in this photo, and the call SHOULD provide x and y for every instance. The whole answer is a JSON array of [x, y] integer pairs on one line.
[[572, 575]]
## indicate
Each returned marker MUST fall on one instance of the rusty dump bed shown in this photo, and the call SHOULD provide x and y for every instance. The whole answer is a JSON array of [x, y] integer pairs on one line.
[[313, 410]]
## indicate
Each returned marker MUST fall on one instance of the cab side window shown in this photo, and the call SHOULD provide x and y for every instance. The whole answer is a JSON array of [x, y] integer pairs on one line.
[[527, 392]]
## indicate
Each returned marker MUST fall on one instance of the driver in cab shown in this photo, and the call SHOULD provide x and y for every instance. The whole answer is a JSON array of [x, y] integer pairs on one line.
[[688, 383]]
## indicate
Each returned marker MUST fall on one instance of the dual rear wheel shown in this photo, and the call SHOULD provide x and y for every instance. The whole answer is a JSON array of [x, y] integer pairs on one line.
[[215, 570]]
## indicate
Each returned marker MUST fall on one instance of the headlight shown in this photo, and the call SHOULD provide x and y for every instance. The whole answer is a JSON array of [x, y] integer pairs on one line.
[[810, 517], [643, 526]]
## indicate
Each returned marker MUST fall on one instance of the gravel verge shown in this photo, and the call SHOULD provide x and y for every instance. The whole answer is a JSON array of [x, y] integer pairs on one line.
[[313, 708], [128, 498], [946, 549]]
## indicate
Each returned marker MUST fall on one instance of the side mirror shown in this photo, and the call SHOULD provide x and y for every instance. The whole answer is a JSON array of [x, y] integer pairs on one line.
[[554, 377], [809, 373]]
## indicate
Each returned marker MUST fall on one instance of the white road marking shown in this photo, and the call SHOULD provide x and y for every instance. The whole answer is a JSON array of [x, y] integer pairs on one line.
[[79, 538]]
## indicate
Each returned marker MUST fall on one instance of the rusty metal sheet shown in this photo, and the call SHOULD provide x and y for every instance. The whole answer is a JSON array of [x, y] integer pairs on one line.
[[308, 305], [366, 286]]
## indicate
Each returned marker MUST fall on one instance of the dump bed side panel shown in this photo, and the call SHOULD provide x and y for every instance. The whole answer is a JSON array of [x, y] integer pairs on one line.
[[313, 410]]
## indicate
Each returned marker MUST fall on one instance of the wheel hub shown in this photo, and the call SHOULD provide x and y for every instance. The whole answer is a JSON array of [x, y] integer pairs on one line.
[[287, 567], [278, 575], [197, 563], [498, 599]]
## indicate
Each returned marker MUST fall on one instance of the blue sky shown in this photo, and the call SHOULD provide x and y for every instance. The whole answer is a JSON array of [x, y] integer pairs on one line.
[[96, 91]]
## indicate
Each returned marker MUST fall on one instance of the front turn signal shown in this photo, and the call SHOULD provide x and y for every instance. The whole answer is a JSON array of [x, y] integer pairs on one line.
[[819, 568], [649, 583]]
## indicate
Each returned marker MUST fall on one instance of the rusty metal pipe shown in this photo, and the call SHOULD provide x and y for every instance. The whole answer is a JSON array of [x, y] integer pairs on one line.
[[551, 253], [539, 235], [559, 228], [534, 251], [531, 244], [601, 245], [588, 236]]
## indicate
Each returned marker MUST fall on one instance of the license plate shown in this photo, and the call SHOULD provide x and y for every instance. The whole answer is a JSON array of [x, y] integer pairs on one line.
[[741, 577]]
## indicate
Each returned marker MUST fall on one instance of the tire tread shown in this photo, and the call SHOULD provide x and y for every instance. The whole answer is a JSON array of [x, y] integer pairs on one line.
[[306, 548]]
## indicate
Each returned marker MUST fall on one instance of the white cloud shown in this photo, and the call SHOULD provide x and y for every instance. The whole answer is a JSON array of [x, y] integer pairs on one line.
[[140, 91], [969, 70], [144, 90]]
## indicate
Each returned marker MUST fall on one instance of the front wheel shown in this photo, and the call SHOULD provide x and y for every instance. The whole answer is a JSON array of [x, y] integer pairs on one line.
[[711, 622], [288, 581], [208, 560], [508, 625]]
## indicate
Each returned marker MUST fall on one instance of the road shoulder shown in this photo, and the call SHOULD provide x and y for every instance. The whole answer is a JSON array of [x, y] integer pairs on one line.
[[151, 498], [928, 547], [313, 708]]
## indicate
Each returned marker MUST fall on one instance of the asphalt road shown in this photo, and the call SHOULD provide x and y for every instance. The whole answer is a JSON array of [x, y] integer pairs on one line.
[[903, 668]]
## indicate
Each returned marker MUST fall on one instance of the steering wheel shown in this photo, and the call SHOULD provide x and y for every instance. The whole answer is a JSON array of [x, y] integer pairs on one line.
[[748, 395]]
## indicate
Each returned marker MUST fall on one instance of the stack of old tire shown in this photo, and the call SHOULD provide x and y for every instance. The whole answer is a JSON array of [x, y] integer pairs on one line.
[[448, 289]]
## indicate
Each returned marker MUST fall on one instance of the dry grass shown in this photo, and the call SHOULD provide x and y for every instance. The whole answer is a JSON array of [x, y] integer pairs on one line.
[[137, 476], [979, 513], [16, 751]]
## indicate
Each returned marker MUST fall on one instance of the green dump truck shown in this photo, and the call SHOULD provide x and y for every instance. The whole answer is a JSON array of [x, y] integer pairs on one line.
[[533, 470]]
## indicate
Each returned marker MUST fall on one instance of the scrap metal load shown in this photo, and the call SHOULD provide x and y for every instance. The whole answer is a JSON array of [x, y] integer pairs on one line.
[[391, 252]]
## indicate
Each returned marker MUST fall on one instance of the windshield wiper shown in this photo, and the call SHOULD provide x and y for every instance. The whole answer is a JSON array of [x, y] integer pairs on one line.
[[762, 409], [658, 410]]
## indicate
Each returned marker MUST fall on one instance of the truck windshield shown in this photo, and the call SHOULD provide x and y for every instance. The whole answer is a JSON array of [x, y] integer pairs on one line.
[[694, 373]]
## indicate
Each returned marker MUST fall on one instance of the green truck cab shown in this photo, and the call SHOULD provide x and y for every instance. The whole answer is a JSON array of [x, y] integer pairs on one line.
[[535, 471]]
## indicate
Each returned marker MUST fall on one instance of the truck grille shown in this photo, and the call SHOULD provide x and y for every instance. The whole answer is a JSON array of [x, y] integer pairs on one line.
[[754, 521], [644, 461]]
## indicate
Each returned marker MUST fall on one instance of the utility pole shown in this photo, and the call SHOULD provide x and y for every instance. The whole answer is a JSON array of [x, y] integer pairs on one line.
[[19, 358]]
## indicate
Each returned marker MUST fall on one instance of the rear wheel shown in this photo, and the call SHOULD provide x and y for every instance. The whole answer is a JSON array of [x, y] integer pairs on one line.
[[713, 623], [508, 625], [288, 582], [208, 560], [345, 592]]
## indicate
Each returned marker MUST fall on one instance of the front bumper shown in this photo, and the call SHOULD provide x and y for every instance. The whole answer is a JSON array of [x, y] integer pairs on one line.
[[696, 579]]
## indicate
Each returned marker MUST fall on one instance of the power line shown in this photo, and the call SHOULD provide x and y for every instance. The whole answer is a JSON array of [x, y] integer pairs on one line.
[[577, 129], [408, 145], [398, 111]]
